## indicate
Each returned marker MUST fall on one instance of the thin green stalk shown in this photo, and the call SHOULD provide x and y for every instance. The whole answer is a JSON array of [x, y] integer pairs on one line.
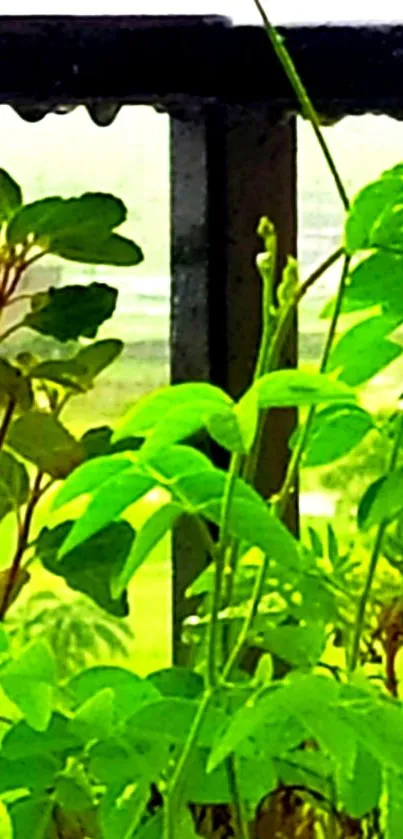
[[220, 555], [375, 554], [293, 465], [307, 108], [268, 270], [241, 821], [274, 350], [318, 272], [173, 795], [289, 482]]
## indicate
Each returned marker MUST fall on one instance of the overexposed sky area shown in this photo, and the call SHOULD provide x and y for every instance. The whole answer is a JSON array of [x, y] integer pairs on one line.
[[241, 11]]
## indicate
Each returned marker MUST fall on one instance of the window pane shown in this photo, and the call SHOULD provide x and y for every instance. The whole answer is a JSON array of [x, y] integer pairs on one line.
[[69, 155], [363, 147]]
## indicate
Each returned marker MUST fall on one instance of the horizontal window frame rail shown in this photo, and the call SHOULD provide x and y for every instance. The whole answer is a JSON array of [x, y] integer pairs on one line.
[[181, 63]]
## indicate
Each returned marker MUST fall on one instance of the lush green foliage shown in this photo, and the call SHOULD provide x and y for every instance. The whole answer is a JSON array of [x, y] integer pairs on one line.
[[96, 751]]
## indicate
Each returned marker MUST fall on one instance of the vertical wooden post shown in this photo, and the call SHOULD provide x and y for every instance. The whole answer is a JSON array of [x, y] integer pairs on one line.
[[229, 166]]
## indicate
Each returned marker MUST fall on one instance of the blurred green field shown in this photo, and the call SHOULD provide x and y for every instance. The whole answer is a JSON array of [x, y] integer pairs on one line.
[[69, 155]]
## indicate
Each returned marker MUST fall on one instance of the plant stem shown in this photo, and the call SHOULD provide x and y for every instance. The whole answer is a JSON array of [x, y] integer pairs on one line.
[[375, 554], [20, 298], [10, 331], [220, 555], [307, 108], [8, 415], [271, 360], [293, 465], [274, 350], [289, 482], [241, 821], [176, 780], [23, 538], [318, 272], [16, 279], [3, 284]]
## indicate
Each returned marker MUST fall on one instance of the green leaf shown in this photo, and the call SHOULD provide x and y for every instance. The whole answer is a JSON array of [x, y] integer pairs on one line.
[[31, 219], [332, 546], [64, 372], [97, 442], [257, 779], [374, 281], [351, 357], [78, 373], [264, 718], [336, 430], [6, 826], [113, 497], [360, 794], [309, 769], [22, 742], [149, 410], [14, 386], [30, 682], [14, 484], [90, 567], [371, 204], [177, 681], [234, 429], [153, 828], [113, 250], [127, 486], [122, 811], [392, 805], [130, 691], [94, 214], [114, 759], [10, 196], [96, 357], [69, 312], [289, 388], [175, 462], [179, 423], [378, 724], [95, 718], [169, 719], [42, 438], [314, 701], [4, 640], [316, 542], [72, 795], [249, 518], [382, 501], [147, 538], [31, 817], [89, 476], [247, 413], [301, 646], [28, 773]]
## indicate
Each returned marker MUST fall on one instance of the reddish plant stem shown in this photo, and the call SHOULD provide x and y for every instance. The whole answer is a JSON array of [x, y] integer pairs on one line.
[[23, 538], [8, 415], [3, 284], [14, 283]]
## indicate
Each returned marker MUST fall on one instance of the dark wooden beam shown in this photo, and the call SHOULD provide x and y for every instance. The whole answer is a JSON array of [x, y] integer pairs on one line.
[[175, 61], [229, 166]]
